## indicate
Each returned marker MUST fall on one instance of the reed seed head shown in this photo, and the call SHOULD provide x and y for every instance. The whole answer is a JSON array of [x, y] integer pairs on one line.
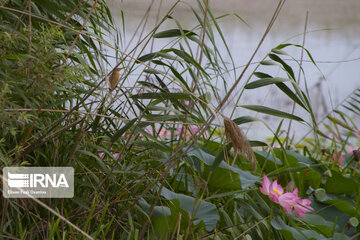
[[239, 141]]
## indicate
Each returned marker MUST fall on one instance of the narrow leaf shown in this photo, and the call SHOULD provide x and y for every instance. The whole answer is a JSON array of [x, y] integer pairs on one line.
[[162, 95], [123, 129], [244, 119], [262, 75], [267, 62], [173, 33], [271, 111], [287, 68], [264, 82], [290, 94]]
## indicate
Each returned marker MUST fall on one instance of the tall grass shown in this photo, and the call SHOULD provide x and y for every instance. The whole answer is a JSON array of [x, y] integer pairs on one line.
[[151, 158]]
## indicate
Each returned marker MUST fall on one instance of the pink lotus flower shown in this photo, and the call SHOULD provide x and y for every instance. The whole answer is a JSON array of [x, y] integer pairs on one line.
[[290, 201], [338, 158], [302, 206], [272, 189], [276, 191], [264, 189]]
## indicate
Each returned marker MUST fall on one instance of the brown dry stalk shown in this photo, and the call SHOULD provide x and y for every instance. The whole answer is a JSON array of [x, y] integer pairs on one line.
[[239, 141]]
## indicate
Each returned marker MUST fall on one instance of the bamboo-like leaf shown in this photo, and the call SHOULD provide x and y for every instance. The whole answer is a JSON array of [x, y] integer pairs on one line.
[[18, 56], [291, 94], [175, 72], [337, 121], [158, 117], [152, 71], [278, 51], [188, 59], [299, 46], [173, 33], [271, 111], [262, 75], [257, 143], [264, 82], [267, 62], [161, 95], [147, 57], [153, 145], [244, 119], [287, 68], [122, 130]]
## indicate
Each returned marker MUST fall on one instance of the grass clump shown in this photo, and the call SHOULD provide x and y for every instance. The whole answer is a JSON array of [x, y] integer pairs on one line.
[[151, 158]]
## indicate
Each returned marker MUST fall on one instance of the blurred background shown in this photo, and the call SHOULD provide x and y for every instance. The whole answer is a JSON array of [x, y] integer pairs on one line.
[[332, 37]]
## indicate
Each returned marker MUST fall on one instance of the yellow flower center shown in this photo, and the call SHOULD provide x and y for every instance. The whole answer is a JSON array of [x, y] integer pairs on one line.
[[276, 191]]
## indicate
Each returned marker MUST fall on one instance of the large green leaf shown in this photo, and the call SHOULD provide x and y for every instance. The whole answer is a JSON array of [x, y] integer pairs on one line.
[[338, 183], [162, 218], [294, 233], [320, 223], [224, 177], [332, 214], [343, 204], [199, 210], [158, 211], [268, 162]]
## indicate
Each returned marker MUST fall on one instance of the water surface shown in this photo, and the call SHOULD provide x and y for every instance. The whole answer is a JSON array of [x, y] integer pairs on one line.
[[333, 33]]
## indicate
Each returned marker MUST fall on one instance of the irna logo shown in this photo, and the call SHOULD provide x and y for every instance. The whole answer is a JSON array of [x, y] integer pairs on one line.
[[39, 182]]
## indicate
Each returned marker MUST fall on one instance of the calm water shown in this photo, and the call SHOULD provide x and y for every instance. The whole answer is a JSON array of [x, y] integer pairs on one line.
[[333, 38]]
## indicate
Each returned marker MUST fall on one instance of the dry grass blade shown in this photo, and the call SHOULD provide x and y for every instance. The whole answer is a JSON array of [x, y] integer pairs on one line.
[[239, 141]]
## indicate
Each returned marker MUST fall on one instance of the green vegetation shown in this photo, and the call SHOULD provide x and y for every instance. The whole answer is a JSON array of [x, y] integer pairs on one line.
[[152, 158]]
